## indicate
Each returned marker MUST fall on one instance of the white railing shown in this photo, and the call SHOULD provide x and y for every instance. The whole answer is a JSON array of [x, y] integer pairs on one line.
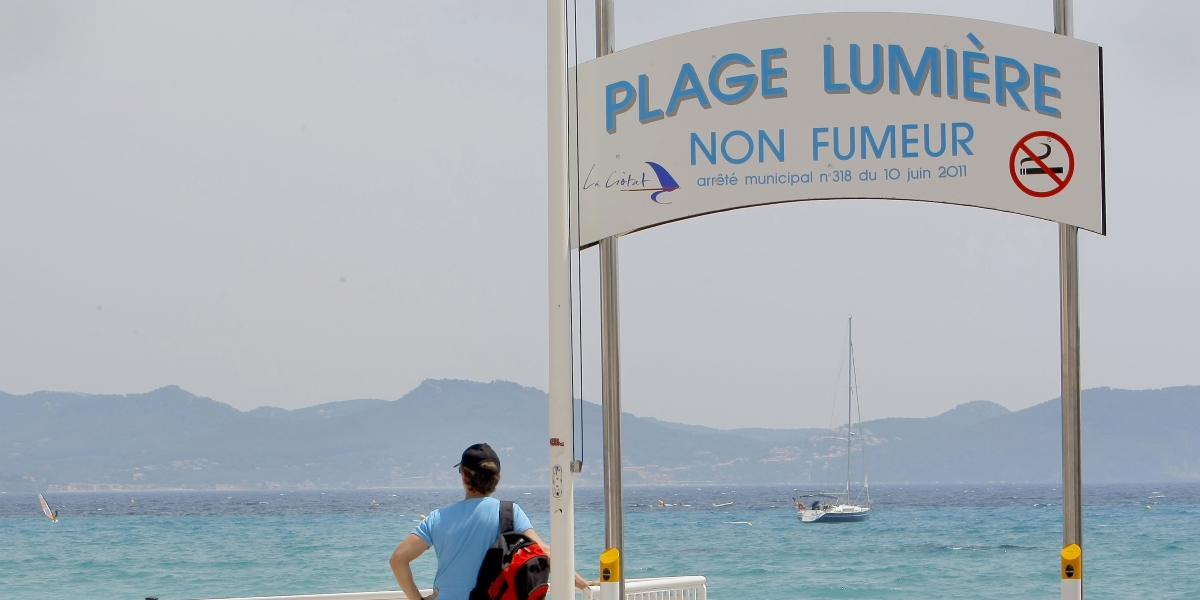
[[397, 595], [659, 588]]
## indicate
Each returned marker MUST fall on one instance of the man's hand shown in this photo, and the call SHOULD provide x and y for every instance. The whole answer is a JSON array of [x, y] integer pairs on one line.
[[580, 582], [433, 595]]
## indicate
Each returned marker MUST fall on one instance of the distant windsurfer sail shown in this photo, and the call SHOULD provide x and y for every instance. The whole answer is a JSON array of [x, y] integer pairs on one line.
[[50, 514]]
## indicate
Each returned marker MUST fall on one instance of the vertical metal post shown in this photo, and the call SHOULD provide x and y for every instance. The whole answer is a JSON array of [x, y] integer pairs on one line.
[[1068, 265], [562, 501], [610, 359], [1068, 277], [606, 33], [1064, 18], [610, 365], [610, 348]]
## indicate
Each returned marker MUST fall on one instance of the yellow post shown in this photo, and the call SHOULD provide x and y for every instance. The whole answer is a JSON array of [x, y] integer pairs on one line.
[[610, 574], [1072, 572]]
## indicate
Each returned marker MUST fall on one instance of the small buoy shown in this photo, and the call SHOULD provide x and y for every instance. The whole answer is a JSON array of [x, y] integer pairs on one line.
[[750, 524], [661, 503], [1147, 507]]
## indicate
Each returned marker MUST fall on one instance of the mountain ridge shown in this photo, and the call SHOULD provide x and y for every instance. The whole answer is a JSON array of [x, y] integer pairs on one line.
[[171, 438]]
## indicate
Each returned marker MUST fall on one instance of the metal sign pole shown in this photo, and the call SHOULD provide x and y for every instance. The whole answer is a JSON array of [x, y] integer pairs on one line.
[[610, 359], [1068, 259], [1068, 266], [562, 501], [610, 356]]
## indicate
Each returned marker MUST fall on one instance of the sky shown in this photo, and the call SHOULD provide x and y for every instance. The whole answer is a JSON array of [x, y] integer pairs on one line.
[[291, 203]]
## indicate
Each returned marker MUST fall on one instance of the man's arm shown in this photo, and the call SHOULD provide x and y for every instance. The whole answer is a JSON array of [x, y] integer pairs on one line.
[[580, 582], [405, 553]]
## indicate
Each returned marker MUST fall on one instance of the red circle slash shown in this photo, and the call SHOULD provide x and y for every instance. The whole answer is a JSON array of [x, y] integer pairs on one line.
[[1060, 182]]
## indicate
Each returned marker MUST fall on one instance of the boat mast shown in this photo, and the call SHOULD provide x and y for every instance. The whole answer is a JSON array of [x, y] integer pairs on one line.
[[849, 399]]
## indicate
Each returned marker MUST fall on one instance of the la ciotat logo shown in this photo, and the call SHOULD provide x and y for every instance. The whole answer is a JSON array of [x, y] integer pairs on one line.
[[666, 183]]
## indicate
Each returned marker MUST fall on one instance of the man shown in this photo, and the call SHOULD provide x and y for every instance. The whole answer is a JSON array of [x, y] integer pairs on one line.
[[462, 532]]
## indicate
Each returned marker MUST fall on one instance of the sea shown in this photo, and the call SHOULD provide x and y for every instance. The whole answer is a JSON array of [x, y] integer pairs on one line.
[[929, 541]]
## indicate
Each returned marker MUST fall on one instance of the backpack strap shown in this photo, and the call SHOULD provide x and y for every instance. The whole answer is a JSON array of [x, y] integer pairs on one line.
[[506, 516]]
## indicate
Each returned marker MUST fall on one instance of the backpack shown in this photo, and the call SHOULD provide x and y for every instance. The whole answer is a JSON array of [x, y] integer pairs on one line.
[[514, 568]]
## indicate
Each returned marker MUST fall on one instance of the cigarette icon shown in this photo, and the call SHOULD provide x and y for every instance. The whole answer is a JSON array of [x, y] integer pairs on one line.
[[1040, 171]]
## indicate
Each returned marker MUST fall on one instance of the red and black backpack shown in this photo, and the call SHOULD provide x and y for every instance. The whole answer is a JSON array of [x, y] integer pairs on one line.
[[514, 568]]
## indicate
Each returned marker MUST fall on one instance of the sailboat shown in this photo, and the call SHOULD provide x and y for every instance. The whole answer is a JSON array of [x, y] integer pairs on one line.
[[840, 507], [50, 514]]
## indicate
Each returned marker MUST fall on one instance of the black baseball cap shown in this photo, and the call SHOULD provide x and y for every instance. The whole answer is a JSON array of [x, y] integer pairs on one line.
[[477, 454]]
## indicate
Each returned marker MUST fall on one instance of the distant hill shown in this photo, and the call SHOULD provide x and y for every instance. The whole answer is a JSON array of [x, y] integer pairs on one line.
[[169, 438]]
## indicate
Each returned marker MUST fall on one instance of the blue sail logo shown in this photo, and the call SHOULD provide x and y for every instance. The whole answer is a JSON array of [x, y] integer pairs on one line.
[[665, 181]]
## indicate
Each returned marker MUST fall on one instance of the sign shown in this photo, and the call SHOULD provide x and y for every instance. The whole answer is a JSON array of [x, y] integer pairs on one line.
[[1038, 174], [835, 106]]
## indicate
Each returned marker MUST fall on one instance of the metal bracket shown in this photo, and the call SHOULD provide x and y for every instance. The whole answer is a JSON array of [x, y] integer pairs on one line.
[[556, 481]]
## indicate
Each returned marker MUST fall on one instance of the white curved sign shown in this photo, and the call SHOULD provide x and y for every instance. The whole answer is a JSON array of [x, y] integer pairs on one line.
[[852, 105]]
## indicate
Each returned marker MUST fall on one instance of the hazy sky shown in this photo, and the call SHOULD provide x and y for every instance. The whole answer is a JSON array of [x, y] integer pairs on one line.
[[289, 203]]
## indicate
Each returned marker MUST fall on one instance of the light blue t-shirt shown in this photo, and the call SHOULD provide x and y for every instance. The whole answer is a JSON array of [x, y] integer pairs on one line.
[[461, 535]]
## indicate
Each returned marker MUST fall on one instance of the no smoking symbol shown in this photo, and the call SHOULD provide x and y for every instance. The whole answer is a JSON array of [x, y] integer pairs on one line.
[[1037, 166]]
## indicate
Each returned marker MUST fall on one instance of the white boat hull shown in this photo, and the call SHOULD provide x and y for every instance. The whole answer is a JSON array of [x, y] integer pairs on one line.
[[840, 513]]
